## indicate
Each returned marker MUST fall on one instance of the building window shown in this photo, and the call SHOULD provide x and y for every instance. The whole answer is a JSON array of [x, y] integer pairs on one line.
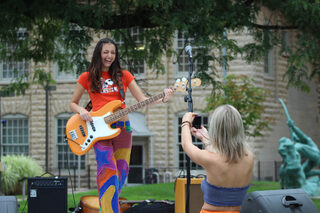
[[183, 58], [10, 69], [196, 142], [15, 135], [13, 69], [269, 54], [268, 62], [68, 63], [134, 65], [64, 75], [65, 158], [285, 43]]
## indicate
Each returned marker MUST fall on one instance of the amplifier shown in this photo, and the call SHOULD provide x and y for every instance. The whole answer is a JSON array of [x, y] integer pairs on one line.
[[47, 194], [284, 201], [195, 195]]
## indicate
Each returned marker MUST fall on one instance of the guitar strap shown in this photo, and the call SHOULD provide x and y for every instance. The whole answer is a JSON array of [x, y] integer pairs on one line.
[[121, 88], [89, 104]]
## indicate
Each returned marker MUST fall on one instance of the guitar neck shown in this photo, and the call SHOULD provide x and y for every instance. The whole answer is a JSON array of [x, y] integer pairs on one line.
[[123, 112]]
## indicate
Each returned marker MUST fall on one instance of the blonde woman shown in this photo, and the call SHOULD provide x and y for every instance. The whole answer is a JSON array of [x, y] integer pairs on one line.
[[226, 159]]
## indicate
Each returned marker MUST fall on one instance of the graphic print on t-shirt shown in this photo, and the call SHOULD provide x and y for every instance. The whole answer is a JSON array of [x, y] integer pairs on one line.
[[107, 85]]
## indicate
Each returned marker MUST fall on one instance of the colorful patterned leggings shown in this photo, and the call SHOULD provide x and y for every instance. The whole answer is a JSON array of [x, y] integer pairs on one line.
[[112, 158]]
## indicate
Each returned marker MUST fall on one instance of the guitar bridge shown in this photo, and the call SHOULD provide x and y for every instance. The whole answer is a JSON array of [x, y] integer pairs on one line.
[[73, 135]]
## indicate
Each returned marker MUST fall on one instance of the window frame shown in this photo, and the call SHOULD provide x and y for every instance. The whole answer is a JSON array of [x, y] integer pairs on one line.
[[15, 69], [134, 32], [268, 63], [64, 76], [197, 142], [25, 137], [179, 45], [66, 163]]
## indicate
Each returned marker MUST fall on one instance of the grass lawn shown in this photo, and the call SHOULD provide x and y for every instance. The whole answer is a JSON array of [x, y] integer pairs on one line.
[[162, 191]]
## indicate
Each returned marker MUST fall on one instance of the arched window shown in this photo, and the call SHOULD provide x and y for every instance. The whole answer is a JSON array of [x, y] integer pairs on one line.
[[15, 135], [64, 157]]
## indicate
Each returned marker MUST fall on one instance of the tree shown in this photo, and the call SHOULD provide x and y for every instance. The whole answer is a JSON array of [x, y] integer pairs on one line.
[[240, 92], [51, 27], [61, 31]]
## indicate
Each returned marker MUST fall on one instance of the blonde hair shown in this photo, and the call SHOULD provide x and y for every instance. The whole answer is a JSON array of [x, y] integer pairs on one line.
[[226, 132]]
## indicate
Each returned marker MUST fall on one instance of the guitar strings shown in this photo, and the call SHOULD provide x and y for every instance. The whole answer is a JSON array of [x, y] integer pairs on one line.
[[118, 114]]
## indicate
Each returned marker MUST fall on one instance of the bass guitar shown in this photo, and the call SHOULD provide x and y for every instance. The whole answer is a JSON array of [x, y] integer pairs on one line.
[[82, 135]]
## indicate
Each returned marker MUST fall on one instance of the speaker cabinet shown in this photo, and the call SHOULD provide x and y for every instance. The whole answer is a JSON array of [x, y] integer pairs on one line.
[[195, 195], [47, 194], [284, 201], [8, 204]]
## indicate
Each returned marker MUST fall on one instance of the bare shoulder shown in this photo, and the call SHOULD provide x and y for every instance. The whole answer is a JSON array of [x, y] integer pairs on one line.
[[249, 155], [210, 159], [203, 157], [247, 163]]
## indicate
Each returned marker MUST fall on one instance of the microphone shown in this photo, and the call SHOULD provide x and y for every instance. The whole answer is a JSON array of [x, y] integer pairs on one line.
[[188, 49]]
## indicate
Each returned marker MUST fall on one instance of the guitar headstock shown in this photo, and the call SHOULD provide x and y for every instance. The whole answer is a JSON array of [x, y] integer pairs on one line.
[[181, 85]]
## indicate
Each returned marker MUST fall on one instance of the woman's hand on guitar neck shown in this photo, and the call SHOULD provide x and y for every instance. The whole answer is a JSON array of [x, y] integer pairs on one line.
[[84, 114], [168, 94]]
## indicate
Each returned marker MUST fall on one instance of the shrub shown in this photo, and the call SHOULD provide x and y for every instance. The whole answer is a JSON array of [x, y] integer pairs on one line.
[[17, 167], [248, 99]]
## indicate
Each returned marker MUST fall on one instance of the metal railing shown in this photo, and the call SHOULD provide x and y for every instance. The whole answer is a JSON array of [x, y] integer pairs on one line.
[[263, 171]]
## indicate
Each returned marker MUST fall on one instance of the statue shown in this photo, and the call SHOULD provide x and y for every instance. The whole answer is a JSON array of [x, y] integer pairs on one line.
[[300, 155]]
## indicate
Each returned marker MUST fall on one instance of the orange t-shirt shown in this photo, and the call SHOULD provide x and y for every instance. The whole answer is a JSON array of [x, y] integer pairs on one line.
[[109, 91]]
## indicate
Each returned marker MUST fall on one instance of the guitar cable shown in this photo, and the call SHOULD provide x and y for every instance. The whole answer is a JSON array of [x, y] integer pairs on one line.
[[66, 140], [68, 163]]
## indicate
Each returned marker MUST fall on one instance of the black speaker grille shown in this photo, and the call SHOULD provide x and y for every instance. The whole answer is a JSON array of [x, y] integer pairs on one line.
[[47, 182], [47, 194]]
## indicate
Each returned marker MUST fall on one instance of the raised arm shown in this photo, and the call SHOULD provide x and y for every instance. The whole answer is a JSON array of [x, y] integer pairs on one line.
[[196, 154], [302, 137]]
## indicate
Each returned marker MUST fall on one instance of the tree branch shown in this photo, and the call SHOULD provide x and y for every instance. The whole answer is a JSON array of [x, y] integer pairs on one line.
[[273, 27]]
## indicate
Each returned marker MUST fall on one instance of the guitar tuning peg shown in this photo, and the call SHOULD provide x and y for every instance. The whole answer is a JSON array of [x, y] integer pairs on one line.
[[178, 80], [184, 79]]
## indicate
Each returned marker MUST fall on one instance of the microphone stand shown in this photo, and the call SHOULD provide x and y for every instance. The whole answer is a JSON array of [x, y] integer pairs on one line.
[[188, 99]]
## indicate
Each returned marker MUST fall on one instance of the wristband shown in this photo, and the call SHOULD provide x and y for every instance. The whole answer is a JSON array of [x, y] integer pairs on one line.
[[185, 123]]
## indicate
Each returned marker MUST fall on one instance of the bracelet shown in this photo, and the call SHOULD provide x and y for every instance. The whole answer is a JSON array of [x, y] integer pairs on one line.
[[164, 101], [185, 123]]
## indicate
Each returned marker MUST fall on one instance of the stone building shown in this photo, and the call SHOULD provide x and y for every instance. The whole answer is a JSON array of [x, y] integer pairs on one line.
[[156, 130]]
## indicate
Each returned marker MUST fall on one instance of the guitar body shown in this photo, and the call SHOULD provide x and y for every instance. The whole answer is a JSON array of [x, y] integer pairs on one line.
[[82, 135]]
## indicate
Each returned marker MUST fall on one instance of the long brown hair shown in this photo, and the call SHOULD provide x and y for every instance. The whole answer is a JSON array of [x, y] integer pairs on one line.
[[95, 66]]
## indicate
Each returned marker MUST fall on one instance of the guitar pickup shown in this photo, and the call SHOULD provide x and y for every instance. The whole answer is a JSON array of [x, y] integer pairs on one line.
[[82, 131], [92, 126], [73, 135]]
